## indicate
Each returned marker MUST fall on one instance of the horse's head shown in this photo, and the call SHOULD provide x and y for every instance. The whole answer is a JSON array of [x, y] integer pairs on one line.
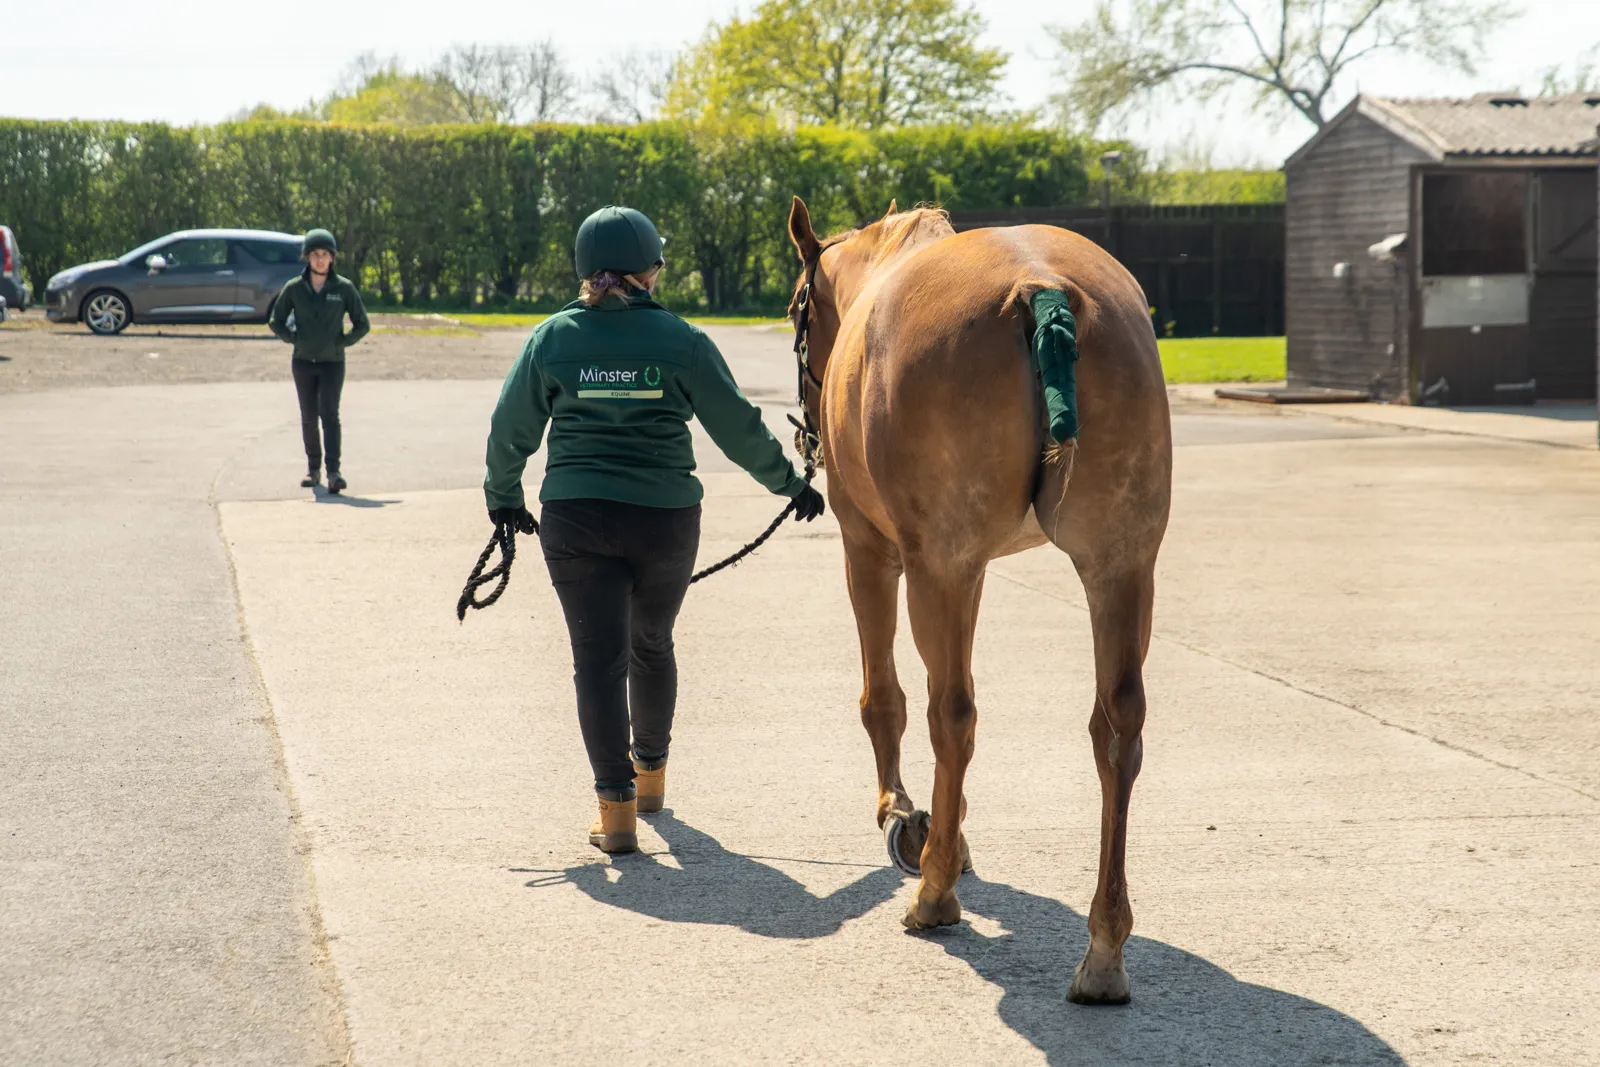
[[834, 272]]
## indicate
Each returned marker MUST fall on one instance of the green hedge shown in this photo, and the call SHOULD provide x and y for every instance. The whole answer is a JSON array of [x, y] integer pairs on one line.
[[467, 214]]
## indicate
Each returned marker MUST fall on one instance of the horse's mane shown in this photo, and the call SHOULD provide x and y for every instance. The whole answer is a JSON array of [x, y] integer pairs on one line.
[[895, 233], [909, 227]]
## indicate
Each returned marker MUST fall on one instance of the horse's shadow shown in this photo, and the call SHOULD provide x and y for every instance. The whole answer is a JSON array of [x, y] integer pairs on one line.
[[1185, 1010]]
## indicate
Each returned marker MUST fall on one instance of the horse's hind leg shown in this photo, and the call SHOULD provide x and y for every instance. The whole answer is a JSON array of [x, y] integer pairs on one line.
[[1120, 613], [943, 605], [872, 572]]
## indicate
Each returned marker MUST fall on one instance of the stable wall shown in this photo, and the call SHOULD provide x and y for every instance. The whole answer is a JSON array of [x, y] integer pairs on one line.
[[1349, 191]]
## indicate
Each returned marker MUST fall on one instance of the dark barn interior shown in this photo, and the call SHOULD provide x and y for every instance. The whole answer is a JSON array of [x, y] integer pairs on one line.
[[1444, 251]]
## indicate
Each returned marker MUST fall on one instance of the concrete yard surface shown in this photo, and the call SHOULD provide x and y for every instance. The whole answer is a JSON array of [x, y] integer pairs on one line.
[[265, 801], [1354, 861]]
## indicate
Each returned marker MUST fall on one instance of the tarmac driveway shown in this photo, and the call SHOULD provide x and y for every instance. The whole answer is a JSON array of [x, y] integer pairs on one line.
[[264, 801]]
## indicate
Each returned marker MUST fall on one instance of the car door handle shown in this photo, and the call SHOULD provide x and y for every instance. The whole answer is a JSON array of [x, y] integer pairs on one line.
[[224, 273]]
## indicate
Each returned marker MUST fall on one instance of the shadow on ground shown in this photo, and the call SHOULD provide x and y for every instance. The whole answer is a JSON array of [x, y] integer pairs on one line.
[[324, 497], [1559, 410], [723, 888], [1185, 1011]]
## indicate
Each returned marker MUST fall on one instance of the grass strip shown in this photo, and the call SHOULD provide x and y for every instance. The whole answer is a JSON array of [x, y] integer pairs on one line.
[[1223, 359]]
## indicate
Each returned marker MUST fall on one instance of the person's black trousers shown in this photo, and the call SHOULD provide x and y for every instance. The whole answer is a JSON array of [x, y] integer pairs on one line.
[[621, 572], [319, 384]]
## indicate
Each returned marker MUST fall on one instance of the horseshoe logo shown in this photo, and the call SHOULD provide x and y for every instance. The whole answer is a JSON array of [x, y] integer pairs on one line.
[[652, 376]]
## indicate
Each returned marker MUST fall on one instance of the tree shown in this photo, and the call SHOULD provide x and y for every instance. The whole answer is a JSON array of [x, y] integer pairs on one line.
[[1582, 77], [1291, 51], [268, 113], [860, 63], [632, 87], [506, 83], [402, 99]]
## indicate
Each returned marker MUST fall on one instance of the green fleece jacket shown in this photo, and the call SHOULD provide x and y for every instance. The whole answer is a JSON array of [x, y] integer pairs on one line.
[[617, 385], [319, 334]]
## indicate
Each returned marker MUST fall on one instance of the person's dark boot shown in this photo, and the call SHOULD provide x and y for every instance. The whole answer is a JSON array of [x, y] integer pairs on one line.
[[336, 483], [311, 480]]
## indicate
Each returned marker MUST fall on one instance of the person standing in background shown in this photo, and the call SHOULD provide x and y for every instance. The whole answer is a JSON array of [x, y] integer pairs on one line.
[[319, 300]]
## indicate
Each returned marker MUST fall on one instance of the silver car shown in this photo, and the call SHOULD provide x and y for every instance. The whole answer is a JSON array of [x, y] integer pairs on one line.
[[192, 276]]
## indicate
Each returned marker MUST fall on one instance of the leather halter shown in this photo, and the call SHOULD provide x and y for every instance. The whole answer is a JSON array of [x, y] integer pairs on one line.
[[802, 328], [807, 441]]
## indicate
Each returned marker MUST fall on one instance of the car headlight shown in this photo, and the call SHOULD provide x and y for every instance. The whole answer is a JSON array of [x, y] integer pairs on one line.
[[62, 280]]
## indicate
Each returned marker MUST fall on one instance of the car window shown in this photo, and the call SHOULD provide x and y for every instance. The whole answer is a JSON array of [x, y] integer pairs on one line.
[[271, 251], [197, 252], [149, 248]]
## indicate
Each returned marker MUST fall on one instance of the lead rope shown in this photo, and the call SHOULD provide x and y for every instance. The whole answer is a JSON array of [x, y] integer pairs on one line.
[[505, 539], [505, 534], [761, 539]]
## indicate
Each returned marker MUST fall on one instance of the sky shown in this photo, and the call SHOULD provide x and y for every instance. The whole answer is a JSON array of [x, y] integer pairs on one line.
[[189, 61]]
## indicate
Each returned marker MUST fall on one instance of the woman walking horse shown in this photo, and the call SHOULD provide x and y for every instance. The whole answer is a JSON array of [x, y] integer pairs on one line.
[[938, 371]]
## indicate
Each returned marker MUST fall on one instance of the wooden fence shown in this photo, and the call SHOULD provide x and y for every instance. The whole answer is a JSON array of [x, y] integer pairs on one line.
[[1207, 269]]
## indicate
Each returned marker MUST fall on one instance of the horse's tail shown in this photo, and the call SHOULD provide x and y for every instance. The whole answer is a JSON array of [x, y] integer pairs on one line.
[[1055, 313], [1020, 300]]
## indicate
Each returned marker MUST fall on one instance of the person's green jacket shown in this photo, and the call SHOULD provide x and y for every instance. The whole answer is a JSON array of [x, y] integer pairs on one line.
[[319, 334], [616, 385]]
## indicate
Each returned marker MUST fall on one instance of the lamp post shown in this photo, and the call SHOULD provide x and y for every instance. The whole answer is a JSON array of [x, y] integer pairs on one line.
[[1108, 163]]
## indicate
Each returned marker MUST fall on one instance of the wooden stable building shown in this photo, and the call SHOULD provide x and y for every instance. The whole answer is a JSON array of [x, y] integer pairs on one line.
[[1444, 251]]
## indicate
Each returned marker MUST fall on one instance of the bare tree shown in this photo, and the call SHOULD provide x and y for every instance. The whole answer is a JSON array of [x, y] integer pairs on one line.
[[507, 83], [1291, 51], [632, 86], [1583, 76]]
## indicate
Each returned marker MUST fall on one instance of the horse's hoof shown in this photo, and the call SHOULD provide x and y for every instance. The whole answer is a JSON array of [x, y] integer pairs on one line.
[[1100, 987], [922, 915], [904, 836]]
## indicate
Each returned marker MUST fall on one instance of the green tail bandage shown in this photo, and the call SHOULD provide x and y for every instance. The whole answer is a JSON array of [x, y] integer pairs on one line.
[[1055, 350]]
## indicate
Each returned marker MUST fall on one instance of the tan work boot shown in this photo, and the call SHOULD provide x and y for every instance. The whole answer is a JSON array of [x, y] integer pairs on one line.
[[651, 787], [616, 830]]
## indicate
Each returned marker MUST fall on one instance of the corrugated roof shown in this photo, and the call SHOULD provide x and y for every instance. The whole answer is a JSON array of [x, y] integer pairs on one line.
[[1503, 124], [1489, 125]]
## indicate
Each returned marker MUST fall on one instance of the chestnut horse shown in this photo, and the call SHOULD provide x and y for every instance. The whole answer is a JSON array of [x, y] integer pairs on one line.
[[918, 375]]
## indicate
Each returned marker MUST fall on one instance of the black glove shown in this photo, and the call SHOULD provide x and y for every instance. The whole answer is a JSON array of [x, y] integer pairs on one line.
[[519, 519], [808, 504]]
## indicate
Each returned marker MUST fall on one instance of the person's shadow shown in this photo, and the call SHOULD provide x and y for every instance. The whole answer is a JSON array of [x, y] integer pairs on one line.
[[322, 496], [723, 888], [1185, 1011]]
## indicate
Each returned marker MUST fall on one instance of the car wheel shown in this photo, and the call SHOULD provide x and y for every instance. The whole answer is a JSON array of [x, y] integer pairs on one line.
[[106, 312]]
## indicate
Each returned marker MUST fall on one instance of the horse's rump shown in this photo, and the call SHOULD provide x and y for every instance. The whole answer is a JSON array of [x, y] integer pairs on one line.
[[952, 410]]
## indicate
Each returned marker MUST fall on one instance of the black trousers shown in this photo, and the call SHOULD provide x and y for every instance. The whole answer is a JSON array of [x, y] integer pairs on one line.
[[318, 384], [621, 572]]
